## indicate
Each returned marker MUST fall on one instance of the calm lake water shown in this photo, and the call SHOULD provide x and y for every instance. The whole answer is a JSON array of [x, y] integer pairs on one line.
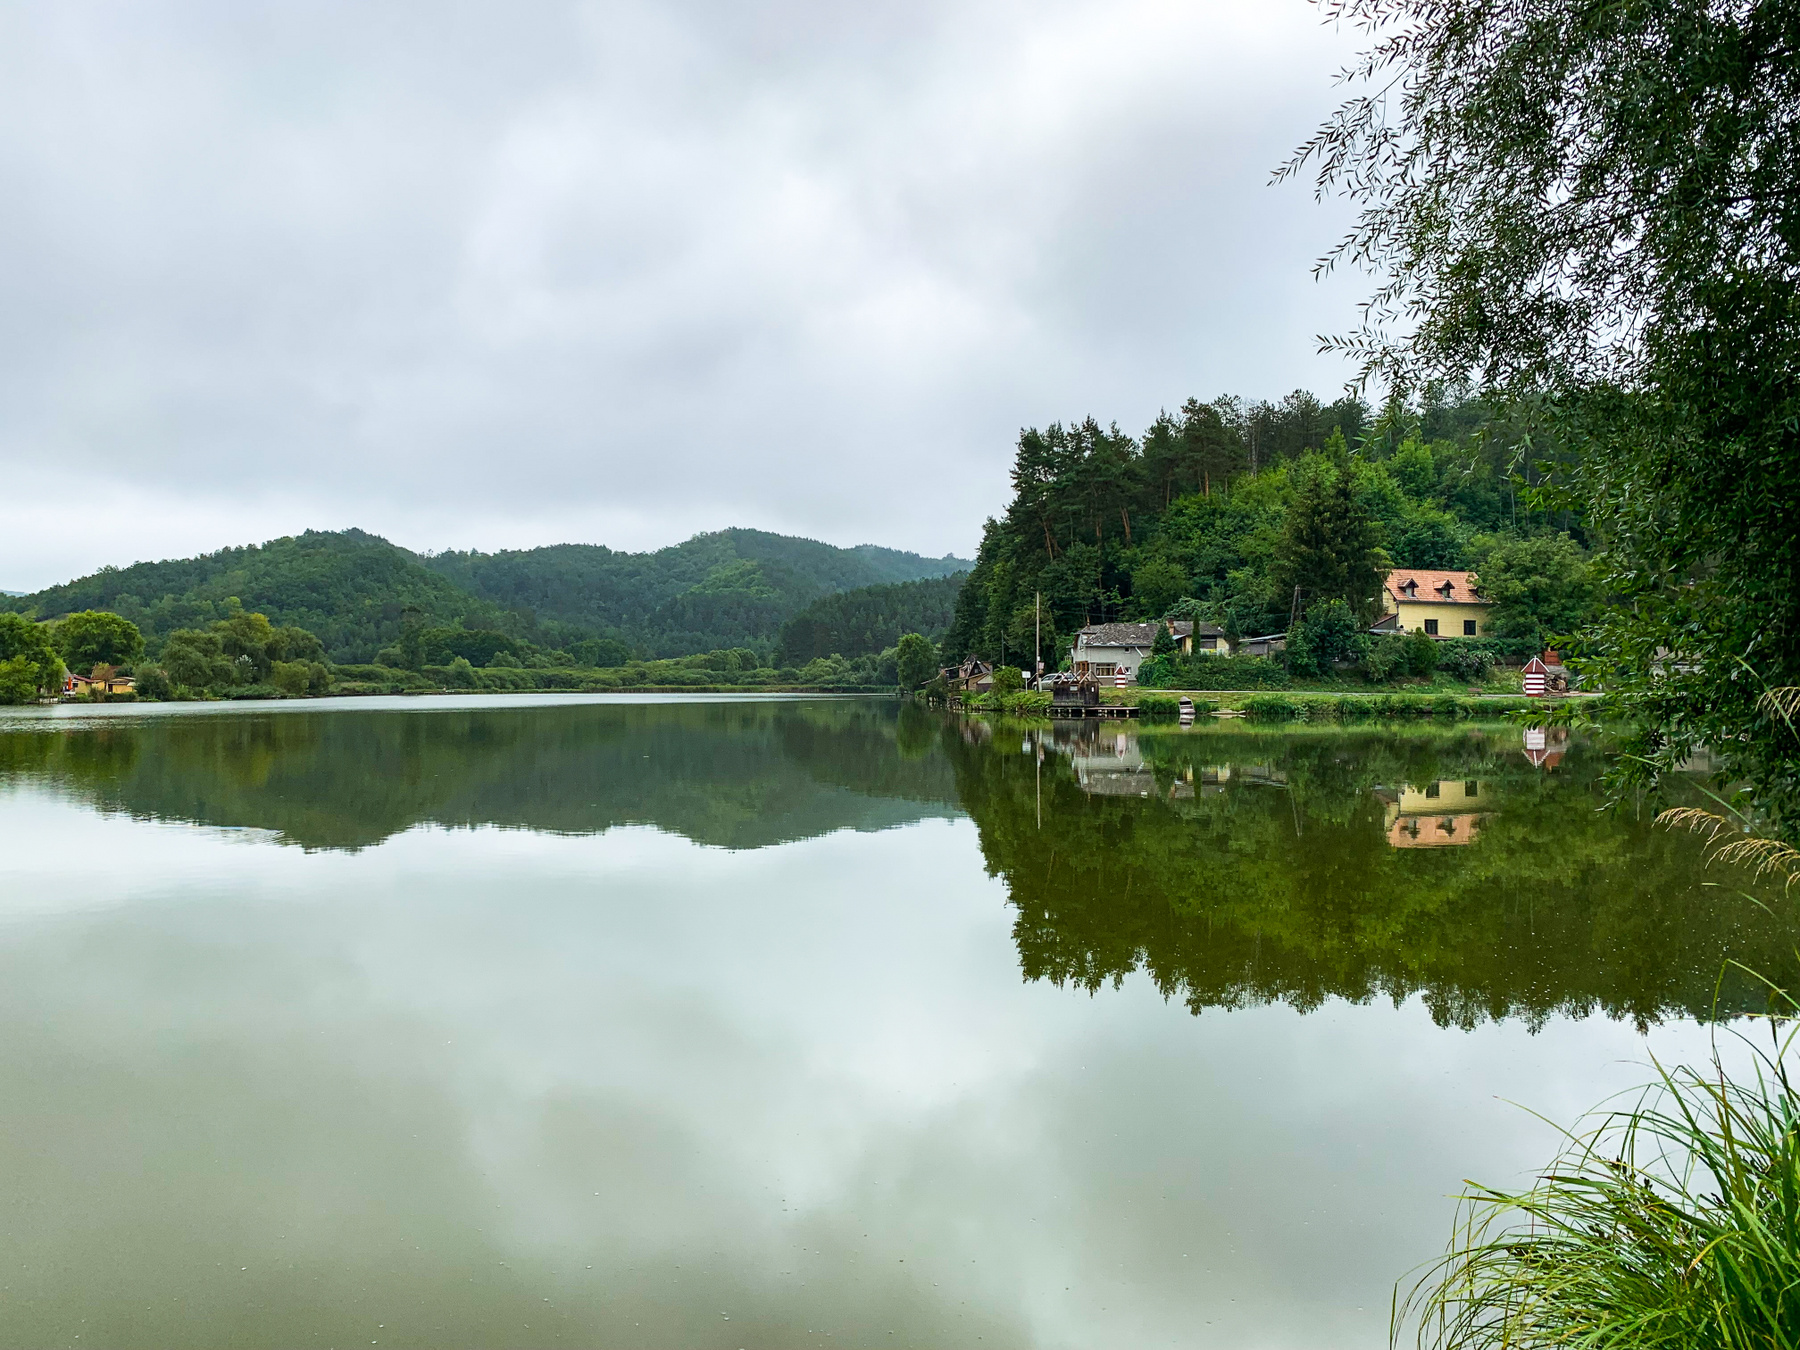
[[766, 1023]]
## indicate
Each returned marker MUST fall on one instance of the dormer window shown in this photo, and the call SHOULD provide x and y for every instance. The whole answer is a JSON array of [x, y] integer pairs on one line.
[[1446, 590], [1411, 588]]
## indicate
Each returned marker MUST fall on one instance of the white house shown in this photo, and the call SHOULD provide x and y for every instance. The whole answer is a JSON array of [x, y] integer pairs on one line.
[[1103, 650]]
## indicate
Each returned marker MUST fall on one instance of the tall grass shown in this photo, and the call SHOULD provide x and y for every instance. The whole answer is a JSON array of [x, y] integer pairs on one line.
[[1672, 1223]]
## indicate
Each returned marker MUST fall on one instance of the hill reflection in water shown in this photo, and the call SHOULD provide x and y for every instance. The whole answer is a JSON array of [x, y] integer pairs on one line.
[[734, 774], [1231, 867]]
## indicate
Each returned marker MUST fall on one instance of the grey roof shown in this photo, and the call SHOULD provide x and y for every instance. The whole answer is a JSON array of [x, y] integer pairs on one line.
[[1142, 634]]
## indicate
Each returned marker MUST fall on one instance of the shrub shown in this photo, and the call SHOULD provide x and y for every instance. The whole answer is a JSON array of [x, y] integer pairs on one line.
[[1270, 708], [1200, 671], [1008, 680], [1421, 653], [1468, 659], [153, 682], [1158, 705], [1025, 703], [1327, 637], [256, 690], [1384, 658]]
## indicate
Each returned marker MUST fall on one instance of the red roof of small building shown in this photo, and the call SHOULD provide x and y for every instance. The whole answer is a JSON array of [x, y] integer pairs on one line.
[[1429, 586]]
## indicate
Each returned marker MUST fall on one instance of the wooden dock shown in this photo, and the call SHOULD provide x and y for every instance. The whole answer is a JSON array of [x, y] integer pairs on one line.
[[1112, 711]]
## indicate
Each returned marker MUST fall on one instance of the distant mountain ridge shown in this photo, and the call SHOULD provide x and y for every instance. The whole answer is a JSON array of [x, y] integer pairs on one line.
[[684, 598], [358, 591]]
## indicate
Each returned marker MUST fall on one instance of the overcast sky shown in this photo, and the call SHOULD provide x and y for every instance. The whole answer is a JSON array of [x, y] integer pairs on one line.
[[503, 275]]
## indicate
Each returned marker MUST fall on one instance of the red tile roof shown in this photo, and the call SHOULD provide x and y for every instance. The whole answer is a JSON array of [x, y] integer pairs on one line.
[[1430, 587]]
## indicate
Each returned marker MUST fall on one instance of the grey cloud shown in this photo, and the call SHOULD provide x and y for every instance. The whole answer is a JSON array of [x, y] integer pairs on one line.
[[493, 276]]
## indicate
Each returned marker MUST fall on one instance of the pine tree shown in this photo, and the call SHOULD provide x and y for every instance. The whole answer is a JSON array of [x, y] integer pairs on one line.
[[1327, 548]]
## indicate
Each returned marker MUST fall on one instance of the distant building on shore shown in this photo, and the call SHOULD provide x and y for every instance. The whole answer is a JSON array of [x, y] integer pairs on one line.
[[1442, 604], [1104, 650]]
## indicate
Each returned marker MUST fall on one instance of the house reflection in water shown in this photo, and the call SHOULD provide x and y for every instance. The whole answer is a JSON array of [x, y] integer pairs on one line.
[[1437, 815], [1110, 763], [1544, 746], [1107, 765]]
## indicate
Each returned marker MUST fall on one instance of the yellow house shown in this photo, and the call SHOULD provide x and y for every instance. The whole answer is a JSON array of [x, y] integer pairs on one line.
[[1443, 604], [111, 684]]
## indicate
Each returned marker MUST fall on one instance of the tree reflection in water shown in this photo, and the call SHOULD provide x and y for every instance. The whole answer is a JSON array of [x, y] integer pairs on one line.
[[1232, 866], [1236, 867]]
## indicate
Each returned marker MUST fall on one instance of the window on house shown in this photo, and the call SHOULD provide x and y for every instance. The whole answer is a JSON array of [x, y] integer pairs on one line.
[[1472, 788], [1431, 789], [1431, 627], [1210, 643], [1468, 628], [1102, 669]]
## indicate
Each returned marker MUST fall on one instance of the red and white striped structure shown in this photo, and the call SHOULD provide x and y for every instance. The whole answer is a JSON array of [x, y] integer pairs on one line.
[[1122, 680], [1537, 678]]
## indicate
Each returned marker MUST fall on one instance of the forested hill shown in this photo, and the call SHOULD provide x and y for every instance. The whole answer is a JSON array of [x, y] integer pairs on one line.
[[869, 620], [1235, 512], [353, 589], [730, 588], [359, 592]]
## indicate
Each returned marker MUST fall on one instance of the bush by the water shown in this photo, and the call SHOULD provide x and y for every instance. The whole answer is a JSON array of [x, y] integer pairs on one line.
[[1377, 707], [1018, 703], [1200, 671]]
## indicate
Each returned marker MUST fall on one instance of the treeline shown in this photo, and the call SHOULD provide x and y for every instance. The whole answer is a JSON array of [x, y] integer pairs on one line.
[[729, 588], [246, 656], [1238, 513], [573, 605], [869, 619]]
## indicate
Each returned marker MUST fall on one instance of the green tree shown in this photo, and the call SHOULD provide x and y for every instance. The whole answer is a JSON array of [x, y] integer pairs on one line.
[[29, 664], [1430, 539], [1541, 588], [195, 659], [248, 641], [1008, 680], [1421, 652], [299, 678], [1157, 584], [915, 660], [1591, 208], [1327, 546], [601, 652], [1329, 635], [94, 637]]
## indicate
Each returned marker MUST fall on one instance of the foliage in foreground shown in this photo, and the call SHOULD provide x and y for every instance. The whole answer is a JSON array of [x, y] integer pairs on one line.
[[1589, 210], [1673, 1223]]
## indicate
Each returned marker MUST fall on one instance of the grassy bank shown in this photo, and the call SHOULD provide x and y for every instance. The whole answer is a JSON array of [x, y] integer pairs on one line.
[[1673, 1222], [1285, 707]]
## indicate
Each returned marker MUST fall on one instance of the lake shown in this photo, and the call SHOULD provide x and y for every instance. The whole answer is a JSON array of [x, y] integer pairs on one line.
[[762, 1022]]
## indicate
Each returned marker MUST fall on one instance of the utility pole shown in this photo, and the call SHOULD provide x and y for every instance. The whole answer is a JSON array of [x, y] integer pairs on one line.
[[1037, 637]]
